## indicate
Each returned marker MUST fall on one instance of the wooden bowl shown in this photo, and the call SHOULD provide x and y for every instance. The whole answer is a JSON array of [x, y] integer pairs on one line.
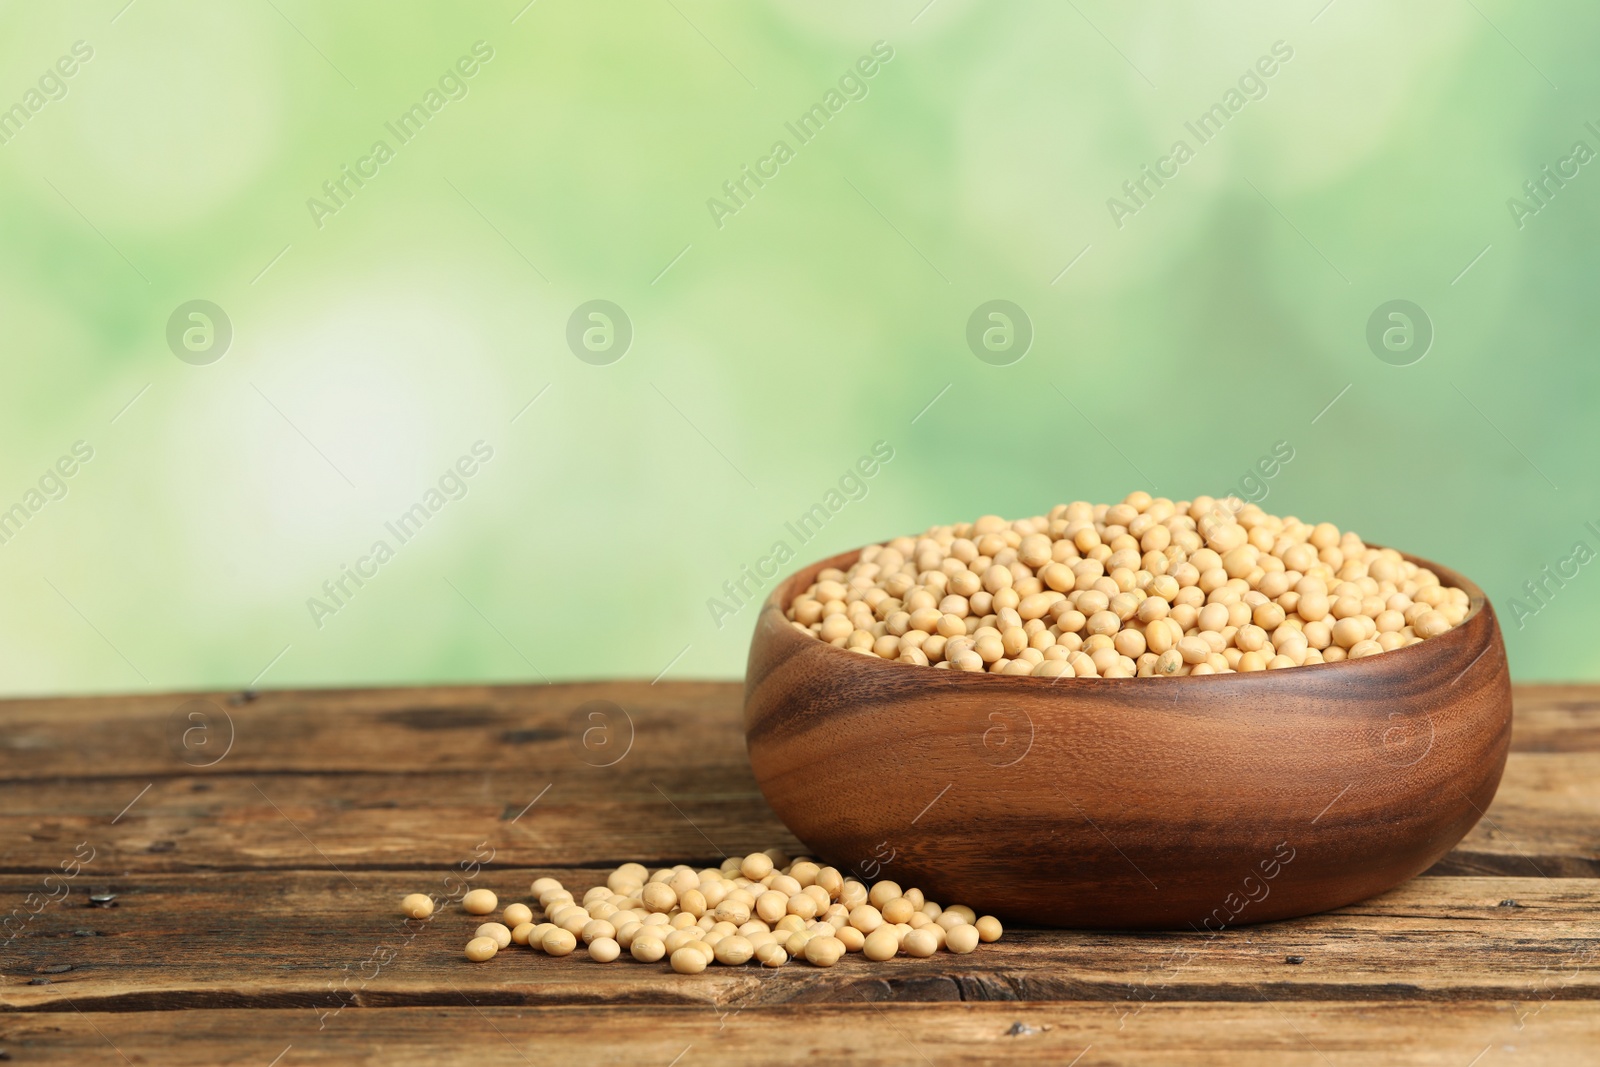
[[1131, 802]]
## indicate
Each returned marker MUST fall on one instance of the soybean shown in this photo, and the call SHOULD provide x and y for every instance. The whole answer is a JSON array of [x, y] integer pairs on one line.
[[497, 931], [1203, 586], [417, 906], [559, 942], [795, 908], [479, 901], [688, 960], [824, 951], [963, 938]]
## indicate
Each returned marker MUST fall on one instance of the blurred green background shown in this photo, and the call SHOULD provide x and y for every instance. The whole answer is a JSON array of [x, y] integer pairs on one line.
[[774, 339]]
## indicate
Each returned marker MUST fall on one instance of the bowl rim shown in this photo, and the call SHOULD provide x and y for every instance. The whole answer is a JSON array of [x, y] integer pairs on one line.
[[1478, 609]]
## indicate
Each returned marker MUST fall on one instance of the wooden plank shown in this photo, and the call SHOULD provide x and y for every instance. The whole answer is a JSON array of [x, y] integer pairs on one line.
[[1263, 1034], [458, 728], [317, 939], [67, 767], [229, 902], [1545, 821], [583, 817], [470, 729], [1556, 718]]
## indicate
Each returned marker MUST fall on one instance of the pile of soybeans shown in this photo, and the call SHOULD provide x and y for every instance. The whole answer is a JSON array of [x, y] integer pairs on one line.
[[1146, 588], [762, 907]]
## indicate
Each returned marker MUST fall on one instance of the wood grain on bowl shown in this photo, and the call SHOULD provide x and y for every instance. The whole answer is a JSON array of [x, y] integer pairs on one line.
[[1201, 802]]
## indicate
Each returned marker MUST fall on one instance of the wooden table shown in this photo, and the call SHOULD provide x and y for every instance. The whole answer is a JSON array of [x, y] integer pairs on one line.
[[238, 860]]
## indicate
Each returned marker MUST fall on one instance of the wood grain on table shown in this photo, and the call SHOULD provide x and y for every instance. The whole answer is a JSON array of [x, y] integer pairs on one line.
[[240, 860]]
